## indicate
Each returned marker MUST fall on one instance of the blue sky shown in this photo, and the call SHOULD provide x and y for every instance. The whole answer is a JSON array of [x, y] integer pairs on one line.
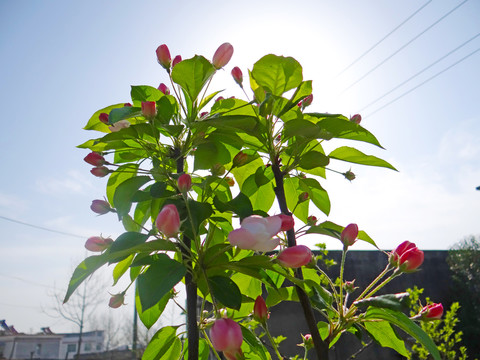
[[62, 61]]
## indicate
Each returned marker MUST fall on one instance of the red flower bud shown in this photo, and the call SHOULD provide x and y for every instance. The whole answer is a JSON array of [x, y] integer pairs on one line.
[[222, 56], [100, 207], [149, 109], [240, 159], [356, 118], [311, 220], [226, 335], [349, 175], [303, 197], [117, 300], [103, 117], [127, 105], [307, 101], [407, 257], [295, 256], [100, 171], [260, 310], [184, 183], [432, 312], [349, 234], [237, 75], [203, 114], [163, 56], [176, 60], [97, 243], [287, 222], [95, 159], [164, 89], [230, 181], [219, 98], [168, 221]]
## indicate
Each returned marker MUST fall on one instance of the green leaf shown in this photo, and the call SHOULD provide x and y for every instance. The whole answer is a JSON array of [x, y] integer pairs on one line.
[[396, 302], [355, 156], [123, 113], [403, 322], [158, 280], [126, 241], [313, 159], [121, 268], [118, 176], [292, 191], [383, 333], [240, 205], [210, 153], [203, 349], [199, 212], [94, 122], [122, 198], [317, 194], [192, 75], [86, 268], [159, 190], [255, 344], [226, 291], [276, 296], [164, 345], [303, 128], [302, 91], [277, 74], [150, 316], [141, 93]]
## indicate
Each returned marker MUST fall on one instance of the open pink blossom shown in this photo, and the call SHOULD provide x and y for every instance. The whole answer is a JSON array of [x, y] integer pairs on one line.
[[256, 233]]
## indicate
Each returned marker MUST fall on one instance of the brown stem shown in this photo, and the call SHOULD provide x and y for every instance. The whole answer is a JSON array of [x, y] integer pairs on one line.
[[191, 290], [321, 346]]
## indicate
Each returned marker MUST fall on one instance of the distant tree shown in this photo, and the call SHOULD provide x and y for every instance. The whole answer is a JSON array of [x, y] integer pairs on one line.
[[81, 307], [464, 261]]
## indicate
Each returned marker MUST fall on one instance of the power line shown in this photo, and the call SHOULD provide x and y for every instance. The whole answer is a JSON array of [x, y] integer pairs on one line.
[[424, 82], [403, 47], [386, 36], [27, 281], [41, 227], [420, 72]]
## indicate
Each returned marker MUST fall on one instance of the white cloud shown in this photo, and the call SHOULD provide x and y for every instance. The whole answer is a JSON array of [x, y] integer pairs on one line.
[[74, 181]]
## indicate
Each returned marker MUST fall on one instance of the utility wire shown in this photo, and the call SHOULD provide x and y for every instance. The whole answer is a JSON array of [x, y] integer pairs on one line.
[[41, 227], [402, 47], [26, 281], [381, 40], [424, 82], [420, 72]]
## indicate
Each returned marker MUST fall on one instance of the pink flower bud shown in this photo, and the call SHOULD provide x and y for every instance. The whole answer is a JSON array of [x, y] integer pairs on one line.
[[97, 243], [407, 257], [287, 222], [116, 300], [226, 335], [100, 207], [127, 105], [176, 60], [237, 75], [219, 98], [164, 89], [163, 56], [431, 312], [100, 171], [357, 118], [222, 56], [240, 159], [184, 183], [260, 310], [203, 114], [350, 286], [349, 234], [230, 181], [256, 233], [168, 221], [149, 109], [103, 117], [311, 220], [295, 256], [95, 159]]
